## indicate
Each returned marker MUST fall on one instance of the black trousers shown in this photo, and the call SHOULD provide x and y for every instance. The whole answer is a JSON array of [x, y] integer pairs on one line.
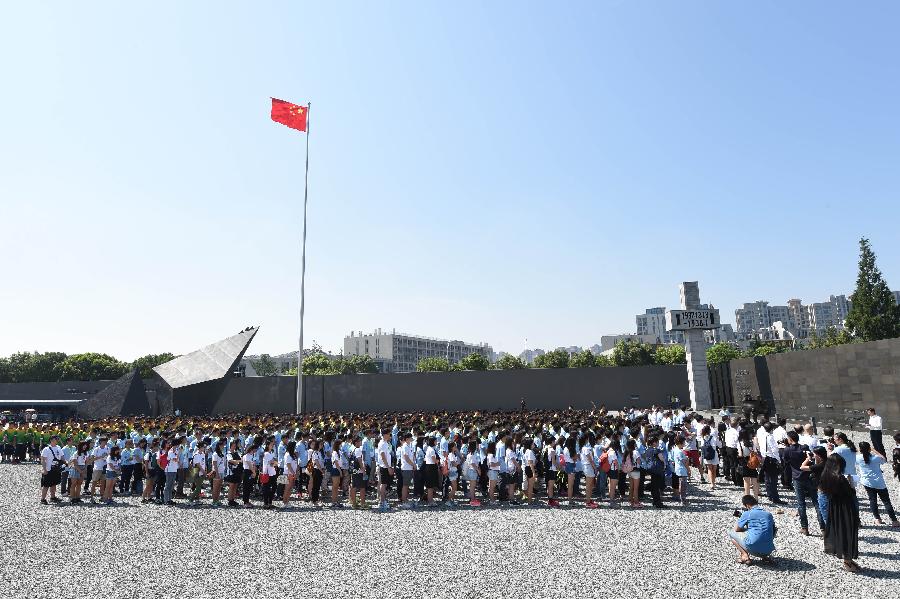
[[877, 443], [730, 464], [125, 481], [268, 490], [657, 481], [885, 496], [771, 470], [247, 485], [316, 484]]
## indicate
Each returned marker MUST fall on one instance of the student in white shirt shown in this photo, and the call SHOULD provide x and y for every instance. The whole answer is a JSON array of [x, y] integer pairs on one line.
[[336, 471], [98, 461], [269, 473], [709, 448], [385, 469], [197, 472], [432, 474], [875, 431], [589, 469], [493, 465], [171, 453], [113, 469], [51, 469], [219, 467], [290, 472], [316, 468], [552, 471], [452, 464], [512, 466], [407, 469], [248, 471], [529, 470], [471, 472]]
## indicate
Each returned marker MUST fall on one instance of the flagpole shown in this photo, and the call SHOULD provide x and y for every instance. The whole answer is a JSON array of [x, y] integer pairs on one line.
[[300, 404]]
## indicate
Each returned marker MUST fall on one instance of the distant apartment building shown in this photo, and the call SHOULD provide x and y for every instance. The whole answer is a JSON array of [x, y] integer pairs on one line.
[[757, 320], [896, 297], [401, 352], [652, 324], [608, 342], [529, 355]]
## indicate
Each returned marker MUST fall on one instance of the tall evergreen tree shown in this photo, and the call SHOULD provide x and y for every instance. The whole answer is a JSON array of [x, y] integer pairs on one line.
[[873, 313]]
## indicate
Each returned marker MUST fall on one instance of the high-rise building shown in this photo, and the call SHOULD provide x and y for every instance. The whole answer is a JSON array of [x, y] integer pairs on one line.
[[750, 319], [652, 324], [798, 321], [400, 352]]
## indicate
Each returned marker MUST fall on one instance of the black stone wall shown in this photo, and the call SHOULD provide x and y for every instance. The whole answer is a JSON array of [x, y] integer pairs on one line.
[[490, 390]]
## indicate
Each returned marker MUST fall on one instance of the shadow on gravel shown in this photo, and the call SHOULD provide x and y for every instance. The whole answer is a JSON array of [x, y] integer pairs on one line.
[[891, 556], [786, 564], [877, 540], [871, 573]]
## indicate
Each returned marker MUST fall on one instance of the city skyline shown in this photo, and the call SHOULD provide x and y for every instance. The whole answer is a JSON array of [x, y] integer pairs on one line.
[[489, 174]]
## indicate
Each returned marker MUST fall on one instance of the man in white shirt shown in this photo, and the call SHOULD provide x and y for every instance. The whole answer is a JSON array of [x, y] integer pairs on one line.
[[385, 470], [875, 428], [407, 468], [51, 470], [809, 437], [731, 451], [771, 463]]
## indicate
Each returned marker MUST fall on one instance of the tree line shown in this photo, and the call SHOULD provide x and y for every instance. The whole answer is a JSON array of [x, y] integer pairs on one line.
[[50, 367]]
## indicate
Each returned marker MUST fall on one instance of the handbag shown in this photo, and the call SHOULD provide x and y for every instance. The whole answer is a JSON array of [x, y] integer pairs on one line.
[[264, 478], [282, 479], [753, 461]]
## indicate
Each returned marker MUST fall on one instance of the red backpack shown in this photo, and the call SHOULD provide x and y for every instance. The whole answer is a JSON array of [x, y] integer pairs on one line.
[[163, 459]]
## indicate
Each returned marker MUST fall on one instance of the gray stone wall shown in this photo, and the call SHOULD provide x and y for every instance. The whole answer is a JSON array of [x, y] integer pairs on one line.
[[835, 385]]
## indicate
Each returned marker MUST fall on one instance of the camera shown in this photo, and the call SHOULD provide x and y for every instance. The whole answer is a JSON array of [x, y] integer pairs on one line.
[[737, 513]]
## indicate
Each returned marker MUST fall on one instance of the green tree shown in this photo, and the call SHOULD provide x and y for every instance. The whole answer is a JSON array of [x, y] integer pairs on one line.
[[474, 361], [604, 361], [317, 363], [632, 353], [873, 313], [831, 338], [363, 364], [26, 367], [722, 352], [583, 359], [765, 350], [145, 364], [264, 365], [510, 362], [5, 371], [670, 355], [91, 367], [433, 365], [558, 358]]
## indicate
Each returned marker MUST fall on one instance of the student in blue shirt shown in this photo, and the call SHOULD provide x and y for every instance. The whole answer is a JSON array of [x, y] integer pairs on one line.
[[755, 532], [873, 482]]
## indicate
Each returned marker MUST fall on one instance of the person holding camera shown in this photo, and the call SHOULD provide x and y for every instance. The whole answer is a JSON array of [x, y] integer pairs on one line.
[[51, 470], [755, 532], [795, 457]]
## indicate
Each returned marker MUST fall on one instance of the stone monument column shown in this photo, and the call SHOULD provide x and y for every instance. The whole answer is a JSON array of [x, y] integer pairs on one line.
[[695, 348]]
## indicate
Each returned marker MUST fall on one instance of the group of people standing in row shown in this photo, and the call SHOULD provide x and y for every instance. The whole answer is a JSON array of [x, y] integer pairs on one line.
[[444, 459]]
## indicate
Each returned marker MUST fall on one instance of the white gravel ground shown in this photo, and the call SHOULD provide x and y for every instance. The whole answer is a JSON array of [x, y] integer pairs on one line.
[[131, 550]]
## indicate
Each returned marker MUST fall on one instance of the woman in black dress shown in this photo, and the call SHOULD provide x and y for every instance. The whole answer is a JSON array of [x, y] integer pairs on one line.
[[842, 523]]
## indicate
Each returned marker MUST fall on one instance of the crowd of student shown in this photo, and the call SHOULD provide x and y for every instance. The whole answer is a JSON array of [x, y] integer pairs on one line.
[[430, 459]]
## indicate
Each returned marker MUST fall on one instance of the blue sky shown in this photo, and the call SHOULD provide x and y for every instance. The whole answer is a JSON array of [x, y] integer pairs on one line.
[[479, 171]]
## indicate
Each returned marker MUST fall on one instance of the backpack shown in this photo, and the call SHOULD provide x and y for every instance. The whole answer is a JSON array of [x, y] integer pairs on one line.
[[709, 452], [654, 464], [163, 460], [604, 462], [627, 464]]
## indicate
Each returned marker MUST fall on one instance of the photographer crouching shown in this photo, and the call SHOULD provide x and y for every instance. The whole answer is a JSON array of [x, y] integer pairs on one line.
[[755, 532], [51, 470]]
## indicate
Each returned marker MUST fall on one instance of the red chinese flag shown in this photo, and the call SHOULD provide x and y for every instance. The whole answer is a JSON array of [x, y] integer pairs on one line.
[[289, 114]]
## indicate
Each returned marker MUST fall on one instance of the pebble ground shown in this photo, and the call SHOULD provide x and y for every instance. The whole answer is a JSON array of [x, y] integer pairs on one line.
[[132, 550]]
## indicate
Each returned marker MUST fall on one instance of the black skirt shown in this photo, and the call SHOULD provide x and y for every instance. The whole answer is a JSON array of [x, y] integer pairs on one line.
[[842, 529], [431, 476]]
